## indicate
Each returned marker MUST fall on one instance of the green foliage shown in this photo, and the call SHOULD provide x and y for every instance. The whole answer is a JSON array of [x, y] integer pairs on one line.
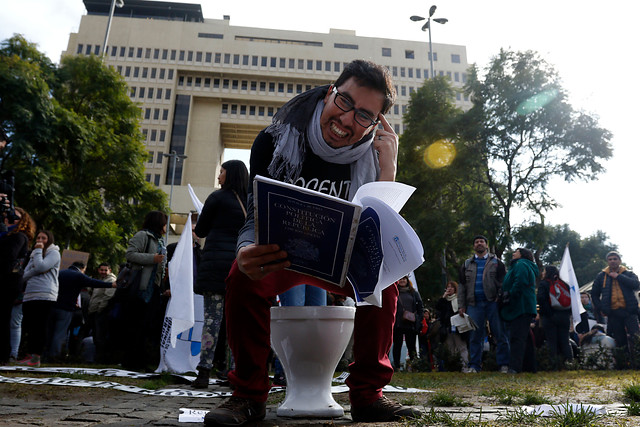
[[447, 207], [76, 149], [569, 416], [527, 133], [442, 398], [632, 392], [548, 243]]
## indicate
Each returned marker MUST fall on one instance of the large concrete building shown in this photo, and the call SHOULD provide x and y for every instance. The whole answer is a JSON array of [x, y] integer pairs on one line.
[[204, 86]]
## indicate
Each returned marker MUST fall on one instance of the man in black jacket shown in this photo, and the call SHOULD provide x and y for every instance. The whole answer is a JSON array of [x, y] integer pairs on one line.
[[614, 295], [71, 282]]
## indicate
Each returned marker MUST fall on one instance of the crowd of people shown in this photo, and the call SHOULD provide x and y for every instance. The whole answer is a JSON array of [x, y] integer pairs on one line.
[[332, 138], [519, 310]]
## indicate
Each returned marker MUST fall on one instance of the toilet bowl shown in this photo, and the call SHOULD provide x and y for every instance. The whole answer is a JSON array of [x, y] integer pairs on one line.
[[309, 342]]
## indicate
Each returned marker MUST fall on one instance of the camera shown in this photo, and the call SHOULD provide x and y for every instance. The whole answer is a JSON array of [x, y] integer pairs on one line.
[[7, 186]]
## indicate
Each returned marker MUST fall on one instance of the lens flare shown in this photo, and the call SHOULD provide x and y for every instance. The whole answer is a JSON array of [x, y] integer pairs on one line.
[[536, 102], [440, 154]]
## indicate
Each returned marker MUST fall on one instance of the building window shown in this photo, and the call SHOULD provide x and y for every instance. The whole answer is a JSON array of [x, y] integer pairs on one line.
[[272, 62], [181, 81], [122, 51], [408, 54], [189, 81], [283, 62], [234, 84], [261, 111], [410, 73], [165, 114], [156, 53], [245, 60], [309, 64], [165, 53], [163, 135], [225, 84], [173, 54], [435, 56], [403, 72], [254, 85], [156, 179], [270, 111], [87, 51], [252, 110], [131, 51], [153, 73], [280, 87], [210, 36], [136, 72], [127, 71], [216, 83], [170, 76], [243, 110], [394, 71], [455, 58], [181, 56], [114, 50], [147, 113], [154, 134], [418, 73], [167, 94], [263, 86], [236, 59], [159, 93], [156, 114], [336, 67], [386, 51], [227, 58], [147, 53], [345, 46], [198, 81], [300, 64], [207, 81], [132, 92], [292, 63], [218, 58], [244, 84], [145, 72], [150, 93], [327, 65], [272, 87], [198, 56], [159, 157], [225, 108], [456, 76], [147, 177], [254, 60], [139, 54], [234, 109], [207, 57]]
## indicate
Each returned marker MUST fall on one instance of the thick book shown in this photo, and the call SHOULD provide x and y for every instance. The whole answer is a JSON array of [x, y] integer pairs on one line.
[[365, 241]]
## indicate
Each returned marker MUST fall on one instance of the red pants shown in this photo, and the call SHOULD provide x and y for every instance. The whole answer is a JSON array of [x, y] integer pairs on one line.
[[248, 330]]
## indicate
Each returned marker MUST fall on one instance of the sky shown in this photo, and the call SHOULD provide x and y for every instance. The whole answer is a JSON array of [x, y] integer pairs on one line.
[[589, 43]]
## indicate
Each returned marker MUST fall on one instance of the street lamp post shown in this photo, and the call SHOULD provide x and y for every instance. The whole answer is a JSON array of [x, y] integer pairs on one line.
[[175, 157], [114, 3], [427, 26]]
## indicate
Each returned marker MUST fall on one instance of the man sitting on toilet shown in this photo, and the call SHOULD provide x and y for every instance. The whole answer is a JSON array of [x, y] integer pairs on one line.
[[325, 139]]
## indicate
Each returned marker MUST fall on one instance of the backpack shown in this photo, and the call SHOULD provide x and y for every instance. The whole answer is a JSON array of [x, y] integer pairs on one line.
[[559, 295]]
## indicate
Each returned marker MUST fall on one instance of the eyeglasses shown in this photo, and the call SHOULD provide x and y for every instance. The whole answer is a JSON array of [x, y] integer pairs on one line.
[[345, 104]]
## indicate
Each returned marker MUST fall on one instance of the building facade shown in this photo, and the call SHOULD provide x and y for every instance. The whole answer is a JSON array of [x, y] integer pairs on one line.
[[204, 85]]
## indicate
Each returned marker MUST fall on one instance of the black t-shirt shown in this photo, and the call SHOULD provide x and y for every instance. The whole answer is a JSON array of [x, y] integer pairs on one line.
[[316, 174]]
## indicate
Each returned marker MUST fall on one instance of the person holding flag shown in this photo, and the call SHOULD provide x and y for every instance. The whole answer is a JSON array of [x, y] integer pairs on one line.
[[614, 295]]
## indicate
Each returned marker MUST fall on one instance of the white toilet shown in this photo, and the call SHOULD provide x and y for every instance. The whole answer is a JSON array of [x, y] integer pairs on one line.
[[309, 342]]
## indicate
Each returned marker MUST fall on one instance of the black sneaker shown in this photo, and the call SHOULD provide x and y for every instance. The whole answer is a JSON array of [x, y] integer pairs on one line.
[[236, 412], [383, 410], [202, 380]]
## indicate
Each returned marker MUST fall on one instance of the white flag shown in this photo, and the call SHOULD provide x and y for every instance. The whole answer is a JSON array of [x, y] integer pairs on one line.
[[568, 276]]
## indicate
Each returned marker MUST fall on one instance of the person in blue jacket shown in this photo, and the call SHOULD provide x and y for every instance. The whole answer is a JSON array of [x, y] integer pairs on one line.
[[70, 281]]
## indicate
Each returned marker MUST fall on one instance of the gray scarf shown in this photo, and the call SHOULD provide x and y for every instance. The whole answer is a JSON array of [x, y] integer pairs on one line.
[[297, 122]]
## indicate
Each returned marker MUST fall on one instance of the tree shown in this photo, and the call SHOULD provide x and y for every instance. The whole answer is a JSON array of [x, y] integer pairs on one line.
[[446, 209], [527, 133], [76, 149], [587, 254]]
